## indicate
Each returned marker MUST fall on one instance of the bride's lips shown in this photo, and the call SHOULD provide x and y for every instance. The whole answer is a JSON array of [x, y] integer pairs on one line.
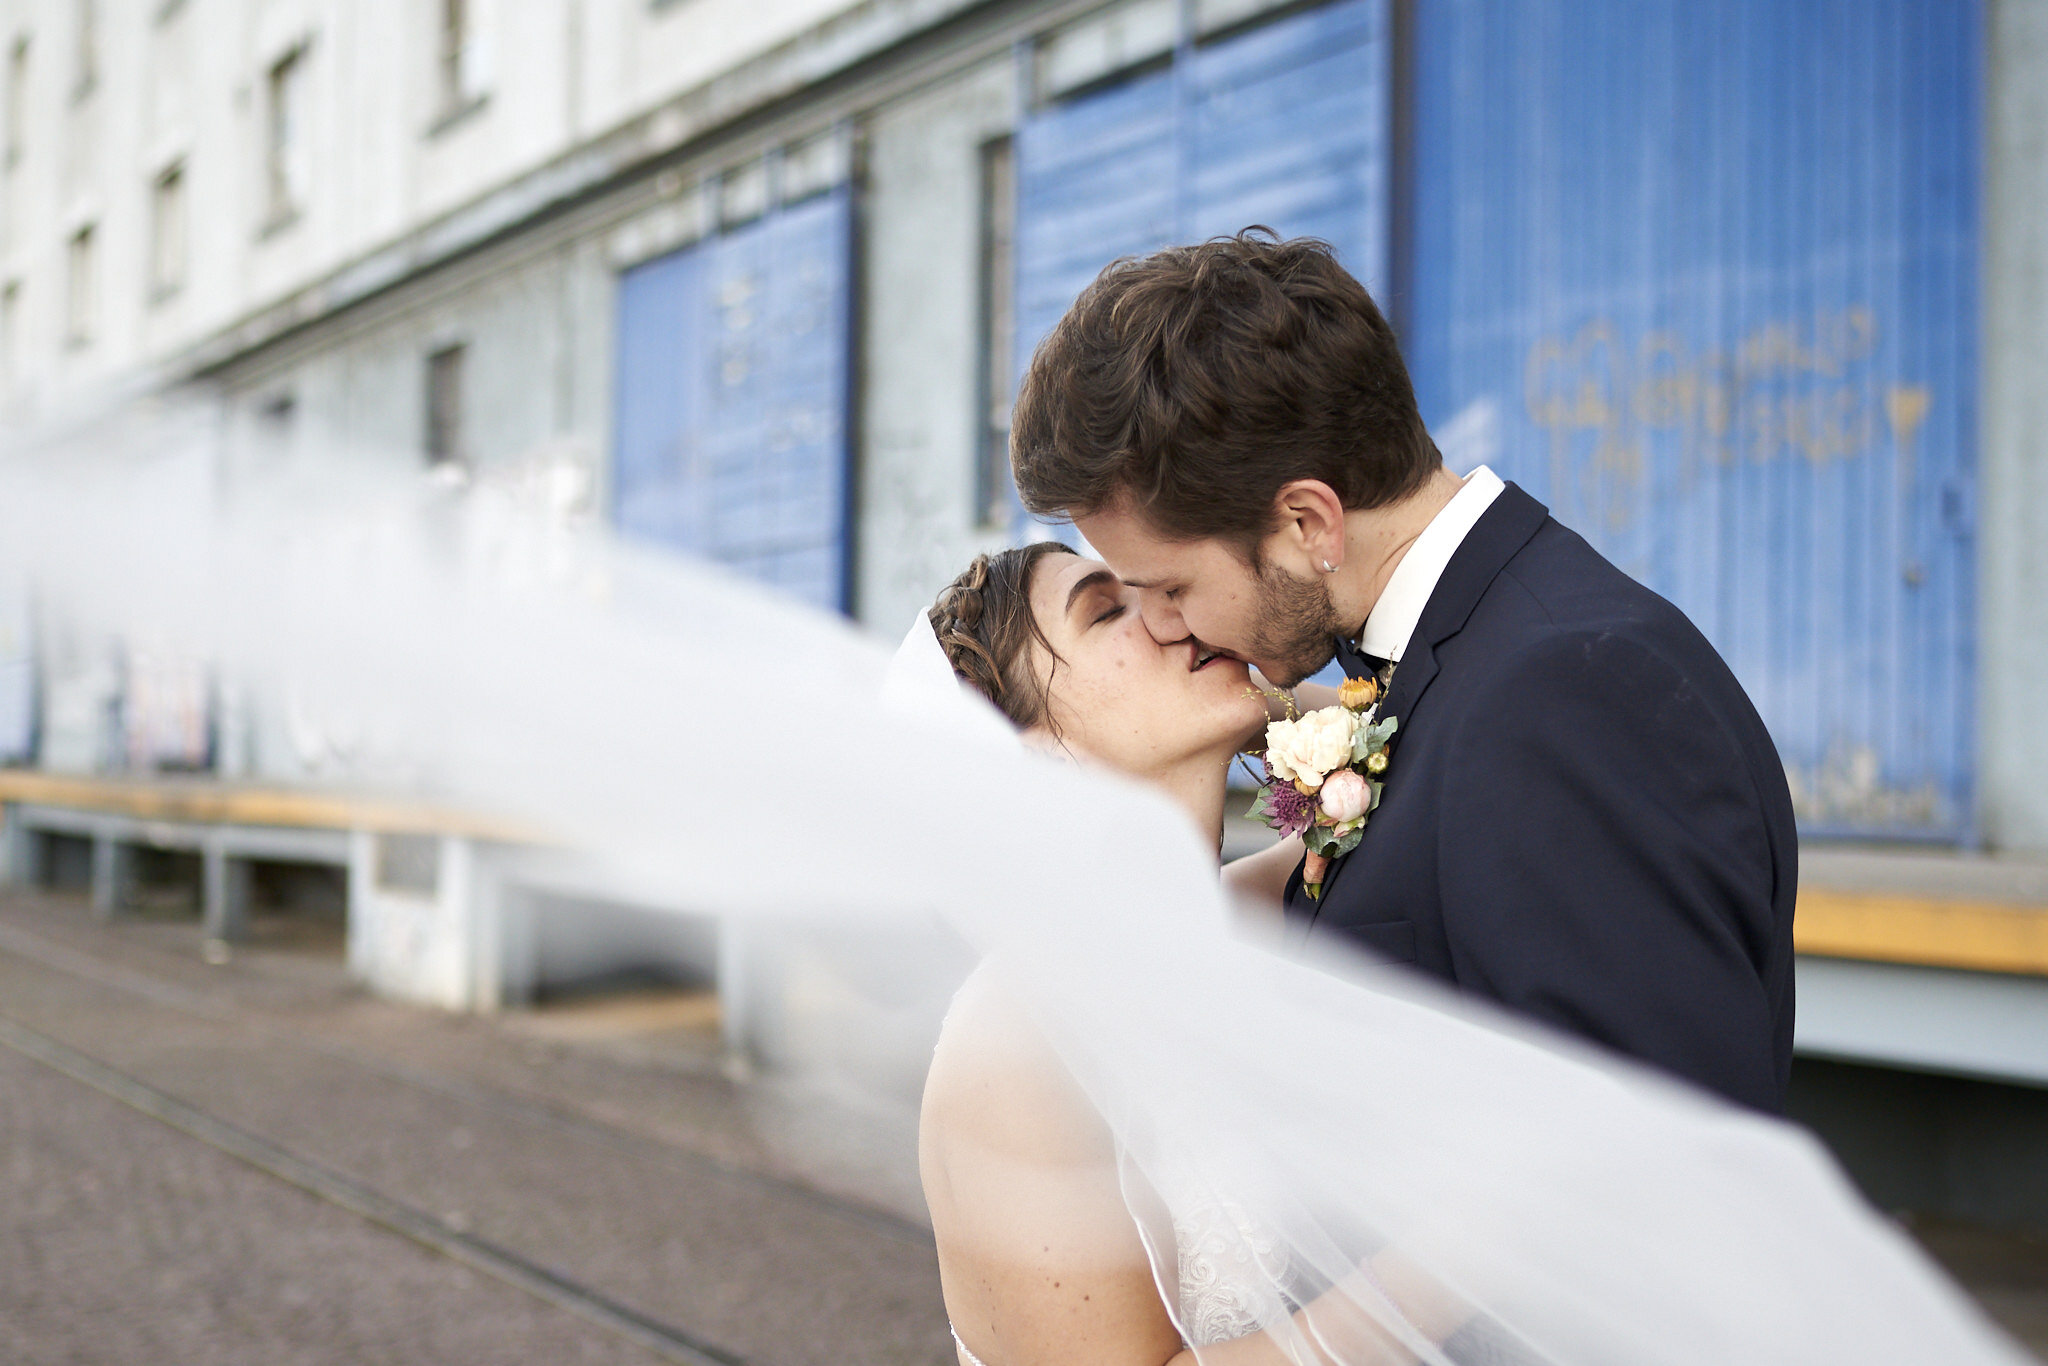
[[1201, 656]]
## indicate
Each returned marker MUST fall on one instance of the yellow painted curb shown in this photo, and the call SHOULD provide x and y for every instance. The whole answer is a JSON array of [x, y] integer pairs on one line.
[[208, 803], [1981, 935]]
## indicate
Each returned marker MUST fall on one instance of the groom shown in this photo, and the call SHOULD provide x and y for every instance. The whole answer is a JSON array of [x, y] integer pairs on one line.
[[1584, 818]]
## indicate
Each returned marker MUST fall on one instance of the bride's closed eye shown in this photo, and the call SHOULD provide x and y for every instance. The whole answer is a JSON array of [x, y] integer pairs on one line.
[[1111, 615]]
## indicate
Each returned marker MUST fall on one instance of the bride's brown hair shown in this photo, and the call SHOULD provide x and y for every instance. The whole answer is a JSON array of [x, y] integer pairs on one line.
[[985, 622]]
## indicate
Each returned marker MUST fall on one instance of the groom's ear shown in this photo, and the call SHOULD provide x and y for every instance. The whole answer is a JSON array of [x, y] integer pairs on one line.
[[1308, 527]]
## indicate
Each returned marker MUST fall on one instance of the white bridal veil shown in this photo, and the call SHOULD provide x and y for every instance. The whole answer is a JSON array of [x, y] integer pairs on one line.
[[1373, 1171]]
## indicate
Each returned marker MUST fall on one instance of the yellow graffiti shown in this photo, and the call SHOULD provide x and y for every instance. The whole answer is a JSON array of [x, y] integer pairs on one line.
[[1786, 389]]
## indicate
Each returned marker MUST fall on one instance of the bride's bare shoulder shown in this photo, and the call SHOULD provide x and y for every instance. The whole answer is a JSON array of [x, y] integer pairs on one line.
[[996, 1079]]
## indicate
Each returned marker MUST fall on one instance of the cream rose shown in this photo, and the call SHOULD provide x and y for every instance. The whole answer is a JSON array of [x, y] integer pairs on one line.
[[1305, 749], [1345, 796]]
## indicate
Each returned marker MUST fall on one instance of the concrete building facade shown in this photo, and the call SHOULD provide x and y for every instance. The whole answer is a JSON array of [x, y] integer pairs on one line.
[[406, 228]]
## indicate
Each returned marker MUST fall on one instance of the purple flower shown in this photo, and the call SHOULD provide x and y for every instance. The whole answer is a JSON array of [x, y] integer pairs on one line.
[[1287, 811]]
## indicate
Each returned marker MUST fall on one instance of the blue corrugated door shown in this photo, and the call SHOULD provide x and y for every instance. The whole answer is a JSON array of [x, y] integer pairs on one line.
[[1284, 124], [1702, 278], [731, 426]]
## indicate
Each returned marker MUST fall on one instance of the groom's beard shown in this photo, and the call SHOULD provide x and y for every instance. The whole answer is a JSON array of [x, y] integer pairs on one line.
[[1296, 627]]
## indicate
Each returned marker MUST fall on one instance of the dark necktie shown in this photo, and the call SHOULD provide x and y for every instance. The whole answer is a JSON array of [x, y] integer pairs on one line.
[[1355, 662]]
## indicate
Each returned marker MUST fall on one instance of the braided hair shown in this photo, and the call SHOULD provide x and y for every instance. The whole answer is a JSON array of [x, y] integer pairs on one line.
[[985, 623]]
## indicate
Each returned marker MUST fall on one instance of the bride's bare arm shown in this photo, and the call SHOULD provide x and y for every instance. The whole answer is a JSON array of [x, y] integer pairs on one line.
[[1262, 877], [1039, 1259]]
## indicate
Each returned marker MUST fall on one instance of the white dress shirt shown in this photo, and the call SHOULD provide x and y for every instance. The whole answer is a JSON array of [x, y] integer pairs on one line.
[[1407, 592]]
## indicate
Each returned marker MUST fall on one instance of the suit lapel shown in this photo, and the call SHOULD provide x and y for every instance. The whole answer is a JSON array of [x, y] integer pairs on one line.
[[1497, 537]]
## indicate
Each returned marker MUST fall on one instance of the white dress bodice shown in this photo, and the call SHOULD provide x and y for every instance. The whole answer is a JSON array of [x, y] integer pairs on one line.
[[1225, 1259], [1221, 1253]]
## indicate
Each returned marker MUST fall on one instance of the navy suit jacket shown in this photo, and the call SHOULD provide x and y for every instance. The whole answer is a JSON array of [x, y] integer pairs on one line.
[[1584, 817]]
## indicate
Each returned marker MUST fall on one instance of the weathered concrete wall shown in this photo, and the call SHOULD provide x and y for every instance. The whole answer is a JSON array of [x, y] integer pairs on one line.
[[536, 328], [2013, 477], [920, 342], [537, 323], [536, 335]]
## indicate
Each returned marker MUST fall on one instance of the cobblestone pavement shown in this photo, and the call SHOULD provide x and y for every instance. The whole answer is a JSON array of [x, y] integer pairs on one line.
[[558, 1187], [255, 1162]]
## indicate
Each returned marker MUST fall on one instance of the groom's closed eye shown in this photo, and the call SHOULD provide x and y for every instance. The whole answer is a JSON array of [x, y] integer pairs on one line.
[[1170, 594]]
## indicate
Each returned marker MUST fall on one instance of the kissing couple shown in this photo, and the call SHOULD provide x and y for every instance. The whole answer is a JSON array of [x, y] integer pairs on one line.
[[1562, 801]]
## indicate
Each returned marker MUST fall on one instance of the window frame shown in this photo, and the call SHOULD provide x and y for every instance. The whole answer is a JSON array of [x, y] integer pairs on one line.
[[996, 324], [169, 223], [442, 437], [286, 182]]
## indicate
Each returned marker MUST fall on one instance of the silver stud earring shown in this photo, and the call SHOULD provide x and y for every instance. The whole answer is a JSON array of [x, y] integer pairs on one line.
[[1329, 568]]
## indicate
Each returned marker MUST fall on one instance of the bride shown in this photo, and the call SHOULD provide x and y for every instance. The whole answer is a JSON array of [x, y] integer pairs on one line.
[[1041, 1258]]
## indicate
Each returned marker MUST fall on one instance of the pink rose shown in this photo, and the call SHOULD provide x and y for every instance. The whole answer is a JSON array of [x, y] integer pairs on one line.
[[1345, 796]]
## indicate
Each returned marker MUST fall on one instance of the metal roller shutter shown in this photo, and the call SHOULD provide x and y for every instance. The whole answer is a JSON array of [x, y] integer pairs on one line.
[[1282, 124], [1702, 278], [731, 431]]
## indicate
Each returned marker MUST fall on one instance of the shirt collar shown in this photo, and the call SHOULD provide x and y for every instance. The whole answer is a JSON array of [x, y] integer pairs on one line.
[[1393, 617]]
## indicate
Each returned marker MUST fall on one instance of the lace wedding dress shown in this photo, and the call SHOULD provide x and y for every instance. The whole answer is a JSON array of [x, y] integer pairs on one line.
[[1222, 1253]]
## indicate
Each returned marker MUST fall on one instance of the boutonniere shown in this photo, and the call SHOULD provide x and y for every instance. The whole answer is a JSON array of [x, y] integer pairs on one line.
[[1325, 772]]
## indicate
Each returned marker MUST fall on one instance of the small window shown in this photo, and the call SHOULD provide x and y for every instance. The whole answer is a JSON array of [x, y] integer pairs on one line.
[[276, 418], [10, 326], [167, 232], [277, 413], [284, 136], [81, 293], [86, 31], [444, 408], [17, 101], [456, 57], [998, 331]]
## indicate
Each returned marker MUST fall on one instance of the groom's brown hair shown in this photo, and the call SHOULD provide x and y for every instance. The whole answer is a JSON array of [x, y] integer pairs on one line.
[[1191, 384]]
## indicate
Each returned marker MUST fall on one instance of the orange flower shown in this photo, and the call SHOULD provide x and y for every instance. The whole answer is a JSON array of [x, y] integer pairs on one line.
[[1358, 693]]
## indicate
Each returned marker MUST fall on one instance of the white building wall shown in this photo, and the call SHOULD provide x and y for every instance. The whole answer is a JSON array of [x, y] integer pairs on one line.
[[186, 81], [2012, 499]]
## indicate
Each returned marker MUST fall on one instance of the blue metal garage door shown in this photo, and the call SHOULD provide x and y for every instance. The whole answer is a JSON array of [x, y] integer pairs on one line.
[[731, 430], [1284, 125], [1701, 277]]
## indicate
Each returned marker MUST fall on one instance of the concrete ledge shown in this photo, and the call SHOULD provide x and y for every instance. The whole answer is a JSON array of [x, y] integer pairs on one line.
[[1930, 874], [1964, 1023], [425, 884]]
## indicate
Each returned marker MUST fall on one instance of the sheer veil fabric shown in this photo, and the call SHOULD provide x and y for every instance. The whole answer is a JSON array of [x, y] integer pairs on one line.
[[1340, 1156]]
